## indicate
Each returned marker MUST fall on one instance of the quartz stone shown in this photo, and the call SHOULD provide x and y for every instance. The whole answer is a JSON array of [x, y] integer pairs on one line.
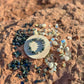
[[36, 25], [35, 32], [50, 64], [44, 74], [46, 60], [66, 58], [25, 25], [55, 68], [69, 38], [43, 25], [45, 70], [54, 43], [56, 63], [67, 49]]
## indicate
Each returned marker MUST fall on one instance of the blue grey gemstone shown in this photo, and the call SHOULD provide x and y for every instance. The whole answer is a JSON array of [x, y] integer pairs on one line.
[[18, 53], [14, 43], [17, 43], [13, 65], [25, 25], [30, 24], [22, 82], [29, 30], [47, 68], [28, 69], [24, 76], [15, 48], [38, 71], [38, 67], [26, 80], [37, 81], [44, 74]]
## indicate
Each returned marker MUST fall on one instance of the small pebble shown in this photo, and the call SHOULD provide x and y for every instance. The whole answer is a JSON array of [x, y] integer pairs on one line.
[[56, 63], [69, 38], [46, 60], [66, 49], [61, 46], [25, 25], [66, 58], [38, 71], [43, 33], [56, 31], [63, 41], [35, 66], [17, 53], [56, 38], [15, 48], [30, 24], [49, 25], [52, 39], [22, 82], [51, 55], [29, 30], [51, 65], [26, 80], [34, 29], [61, 54], [54, 43], [45, 70], [43, 25], [38, 68], [44, 74], [36, 25], [64, 64], [61, 58], [47, 63], [38, 81], [56, 26], [35, 32], [50, 34]]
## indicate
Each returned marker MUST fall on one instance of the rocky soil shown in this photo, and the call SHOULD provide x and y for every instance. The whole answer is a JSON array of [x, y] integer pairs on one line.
[[70, 17]]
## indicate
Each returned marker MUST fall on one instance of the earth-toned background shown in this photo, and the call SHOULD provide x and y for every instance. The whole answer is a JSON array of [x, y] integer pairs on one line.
[[69, 14]]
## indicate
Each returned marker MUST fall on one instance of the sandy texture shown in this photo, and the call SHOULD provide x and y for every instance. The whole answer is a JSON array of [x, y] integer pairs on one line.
[[70, 18]]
